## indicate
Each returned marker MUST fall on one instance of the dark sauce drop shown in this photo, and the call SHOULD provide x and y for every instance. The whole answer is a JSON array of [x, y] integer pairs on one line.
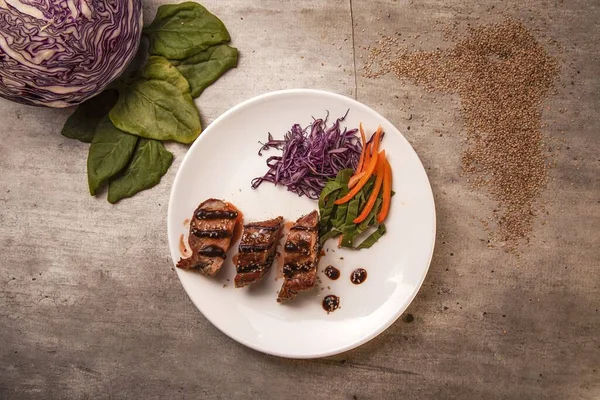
[[331, 303], [332, 272], [358, 276]]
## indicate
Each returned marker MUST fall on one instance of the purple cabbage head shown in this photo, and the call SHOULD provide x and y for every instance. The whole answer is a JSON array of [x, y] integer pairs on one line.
[[58, 53]]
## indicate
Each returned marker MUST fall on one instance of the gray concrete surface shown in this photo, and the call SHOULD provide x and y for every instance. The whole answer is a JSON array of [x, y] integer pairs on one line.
[[90, 306]]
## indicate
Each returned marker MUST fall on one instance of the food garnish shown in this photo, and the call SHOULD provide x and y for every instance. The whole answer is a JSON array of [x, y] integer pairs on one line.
[[310, 157], [358, 201], [387, 192], [375, 192]]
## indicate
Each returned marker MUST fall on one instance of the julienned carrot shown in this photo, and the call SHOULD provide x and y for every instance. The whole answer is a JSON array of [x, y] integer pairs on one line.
[[368, 172], [367, 157], [387, 192], [375, 147], [354, 179], [372, 147], [362, 153], [373, 197]]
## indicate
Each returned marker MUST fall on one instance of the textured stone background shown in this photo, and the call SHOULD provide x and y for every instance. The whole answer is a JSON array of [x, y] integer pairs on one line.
[[90, 308]]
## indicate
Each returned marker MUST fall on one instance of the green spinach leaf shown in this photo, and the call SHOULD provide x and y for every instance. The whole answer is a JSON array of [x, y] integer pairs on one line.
[[206, 67], [81, 125], [373, 238], [157, 104], [344, 176], [339, 219], [326, 212], [349, 228], [109, 153], [330, 234], [161, 69], [370, 220], [149, 163], [182, 30], [329, 188]]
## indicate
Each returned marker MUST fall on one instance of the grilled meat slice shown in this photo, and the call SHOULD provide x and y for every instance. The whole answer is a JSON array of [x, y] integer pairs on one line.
[[301, 257], [211, 230], [257, 250]]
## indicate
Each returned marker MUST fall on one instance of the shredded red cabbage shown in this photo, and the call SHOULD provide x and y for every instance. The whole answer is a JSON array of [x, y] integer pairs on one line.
[[310, 157]]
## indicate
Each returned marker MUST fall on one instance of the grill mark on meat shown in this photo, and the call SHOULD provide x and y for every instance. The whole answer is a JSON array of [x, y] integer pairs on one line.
[[301, 257], [257, 250], [210, 237], [214, 233]]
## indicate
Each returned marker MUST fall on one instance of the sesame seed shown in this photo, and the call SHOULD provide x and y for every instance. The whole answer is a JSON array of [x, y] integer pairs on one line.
[[502, 75]]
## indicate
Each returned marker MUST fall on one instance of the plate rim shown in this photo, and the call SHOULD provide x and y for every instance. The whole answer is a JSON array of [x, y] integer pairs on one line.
[[393, 318]]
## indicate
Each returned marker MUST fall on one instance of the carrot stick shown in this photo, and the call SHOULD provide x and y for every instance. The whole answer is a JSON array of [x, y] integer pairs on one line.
[[368, 172], [371, 150], [362, 153], [354, 180], [387, 192], [367, 157], [373, 197], [375, 147]]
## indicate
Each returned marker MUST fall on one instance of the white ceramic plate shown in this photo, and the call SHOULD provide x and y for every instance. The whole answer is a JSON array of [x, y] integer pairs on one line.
[[221, 164]]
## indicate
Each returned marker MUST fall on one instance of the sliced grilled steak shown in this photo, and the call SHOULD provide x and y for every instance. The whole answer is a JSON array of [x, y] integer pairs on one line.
[[257, 250], [211, 230], [301, 257]]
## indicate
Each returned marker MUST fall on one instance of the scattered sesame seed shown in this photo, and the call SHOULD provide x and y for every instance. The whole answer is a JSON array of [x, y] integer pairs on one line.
[[502, 74]]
